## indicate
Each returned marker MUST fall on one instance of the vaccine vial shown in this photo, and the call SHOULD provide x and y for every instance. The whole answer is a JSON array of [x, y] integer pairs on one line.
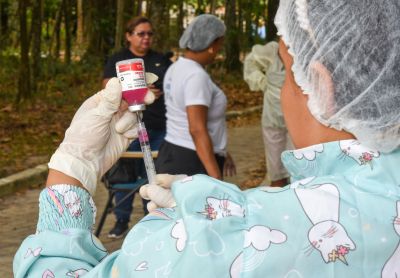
[[131, 74]]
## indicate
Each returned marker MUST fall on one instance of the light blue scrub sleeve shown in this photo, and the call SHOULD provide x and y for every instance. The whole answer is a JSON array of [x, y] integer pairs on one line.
[[63, 245]]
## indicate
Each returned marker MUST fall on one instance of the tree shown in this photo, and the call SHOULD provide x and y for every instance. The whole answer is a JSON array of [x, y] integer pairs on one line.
[[213, 6], [139, 10], [232, 48], [79, 22], [3, 22], [56, 34], [160, 18], [100, 23], [180, 18], [67, 25], [271, 28], [249, 33], [36, 33], [200, 7], [119, 24], [24, 79]]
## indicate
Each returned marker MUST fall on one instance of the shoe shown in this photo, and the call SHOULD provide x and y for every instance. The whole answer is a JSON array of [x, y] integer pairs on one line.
[[119, 230]]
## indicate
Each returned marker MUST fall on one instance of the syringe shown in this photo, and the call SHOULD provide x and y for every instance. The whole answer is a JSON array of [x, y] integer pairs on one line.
[[146, 150]]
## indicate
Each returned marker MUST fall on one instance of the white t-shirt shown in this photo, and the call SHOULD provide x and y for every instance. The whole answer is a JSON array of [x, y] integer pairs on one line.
[[186, 83]]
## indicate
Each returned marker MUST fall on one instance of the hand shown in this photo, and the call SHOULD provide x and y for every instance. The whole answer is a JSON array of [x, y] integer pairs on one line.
[[229, 166], [152, 78], [157, 92], [100, 131], [160, 194]]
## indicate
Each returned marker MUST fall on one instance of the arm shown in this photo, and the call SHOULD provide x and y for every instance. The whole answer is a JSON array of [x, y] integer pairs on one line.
[[66, 210], [253, 73], [257, 63], [197, 117]]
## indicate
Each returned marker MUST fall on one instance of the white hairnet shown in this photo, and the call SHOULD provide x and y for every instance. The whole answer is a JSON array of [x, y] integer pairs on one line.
[[201, 32], [357, 44]]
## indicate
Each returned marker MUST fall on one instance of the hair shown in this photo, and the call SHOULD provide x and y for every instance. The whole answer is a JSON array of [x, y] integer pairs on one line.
[[133, 23]]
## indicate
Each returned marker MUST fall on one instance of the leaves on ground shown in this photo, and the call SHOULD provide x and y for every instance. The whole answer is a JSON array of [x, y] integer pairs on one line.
[[255, 175]]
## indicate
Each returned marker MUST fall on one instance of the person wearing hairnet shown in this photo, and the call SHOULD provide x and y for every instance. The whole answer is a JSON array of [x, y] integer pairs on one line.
[[196, 138], [263, 71], [340, 216]]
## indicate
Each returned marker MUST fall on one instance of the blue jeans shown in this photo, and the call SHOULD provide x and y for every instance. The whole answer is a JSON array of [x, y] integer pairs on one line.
[[123, 211]]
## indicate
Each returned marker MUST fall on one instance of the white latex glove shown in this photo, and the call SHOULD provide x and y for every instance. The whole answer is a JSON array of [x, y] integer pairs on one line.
[[160, 194], [151, 78], [97, 136]]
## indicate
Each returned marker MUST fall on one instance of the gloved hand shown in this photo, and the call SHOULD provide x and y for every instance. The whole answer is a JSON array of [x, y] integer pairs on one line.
[[100, 131], [160, 194]]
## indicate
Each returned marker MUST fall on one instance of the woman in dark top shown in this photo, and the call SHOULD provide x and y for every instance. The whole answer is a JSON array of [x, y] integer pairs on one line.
[[139, 35]]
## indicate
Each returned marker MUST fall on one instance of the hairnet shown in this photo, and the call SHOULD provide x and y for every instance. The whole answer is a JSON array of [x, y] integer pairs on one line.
[[358, 43], [201, 32]]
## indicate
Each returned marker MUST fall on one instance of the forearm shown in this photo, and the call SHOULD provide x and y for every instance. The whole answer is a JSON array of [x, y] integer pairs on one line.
[[56, 177], [205, 151]]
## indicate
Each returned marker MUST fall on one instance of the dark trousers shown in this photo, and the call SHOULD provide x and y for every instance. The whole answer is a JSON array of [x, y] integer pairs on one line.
[[124, 210], [173, 159]]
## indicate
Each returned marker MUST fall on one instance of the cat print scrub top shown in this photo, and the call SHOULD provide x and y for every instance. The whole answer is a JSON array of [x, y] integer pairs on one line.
[[340, 217]]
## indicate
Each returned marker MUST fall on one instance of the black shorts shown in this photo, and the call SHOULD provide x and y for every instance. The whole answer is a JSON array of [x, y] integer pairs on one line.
[[173, 159]]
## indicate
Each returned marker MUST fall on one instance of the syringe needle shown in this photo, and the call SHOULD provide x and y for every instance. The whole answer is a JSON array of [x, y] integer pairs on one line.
[[146, 150]]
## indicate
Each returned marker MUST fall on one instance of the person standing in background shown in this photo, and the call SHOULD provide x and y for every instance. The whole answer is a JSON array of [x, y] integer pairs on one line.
[[264, 71], [139, 34], [196, 137]]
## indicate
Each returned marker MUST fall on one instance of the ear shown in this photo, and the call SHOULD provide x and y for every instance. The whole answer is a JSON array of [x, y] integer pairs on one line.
[[127, 36], [324, 88], [210, 49]]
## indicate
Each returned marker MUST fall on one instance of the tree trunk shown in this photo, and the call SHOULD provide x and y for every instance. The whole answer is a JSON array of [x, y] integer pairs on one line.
[[24, 80], [119, 24], [101, 35], [67, 18], [270, 26], [258, 9], [4, 5], [139, 8], [213, 6], [232, 48], [180, 18], [79, 20], [149, 6], [200, 8], [160, 19], [56, 34], [249, 28], [94, 34], [37, 41], [240, 23]]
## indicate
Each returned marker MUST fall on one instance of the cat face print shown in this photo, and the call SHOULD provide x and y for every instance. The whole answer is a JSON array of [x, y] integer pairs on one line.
[[358, 152], [331, 240], [220, 208]]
